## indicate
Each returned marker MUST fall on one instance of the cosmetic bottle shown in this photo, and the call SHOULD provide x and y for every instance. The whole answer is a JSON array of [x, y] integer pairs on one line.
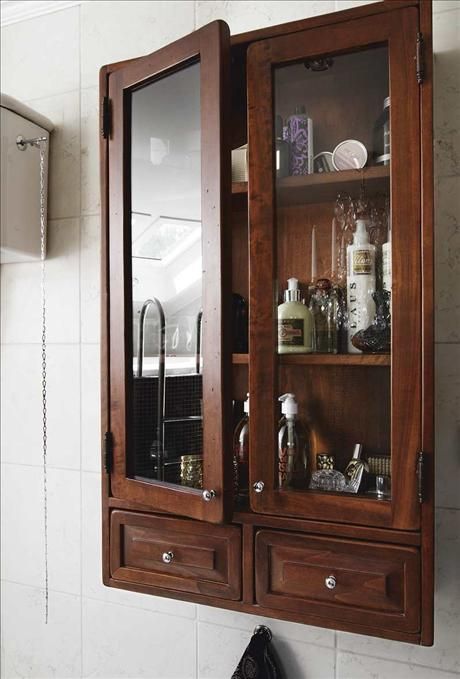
[[325, 308], [295, 323], [386, 263], [360, 283], [293, 447], [241, 454], [300, 136], [355, 471], [281, 150]]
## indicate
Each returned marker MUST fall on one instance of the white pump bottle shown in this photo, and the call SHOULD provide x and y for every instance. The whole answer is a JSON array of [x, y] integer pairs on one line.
[[360, 283]]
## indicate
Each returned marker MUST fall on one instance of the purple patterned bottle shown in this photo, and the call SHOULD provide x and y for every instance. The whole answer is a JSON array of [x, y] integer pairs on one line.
[[300, 136]]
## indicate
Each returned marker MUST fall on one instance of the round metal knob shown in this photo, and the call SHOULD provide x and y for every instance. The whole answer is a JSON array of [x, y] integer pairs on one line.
[[330, 582], [167, 557], [258, 486], [208, 495]]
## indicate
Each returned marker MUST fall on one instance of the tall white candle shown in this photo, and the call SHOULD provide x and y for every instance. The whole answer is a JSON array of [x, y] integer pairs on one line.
[[313, 254], [333, 254]]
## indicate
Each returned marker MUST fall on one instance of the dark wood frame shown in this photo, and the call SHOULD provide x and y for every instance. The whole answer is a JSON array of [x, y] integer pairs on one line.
[[249, 522], [399, 30], [210, 46]]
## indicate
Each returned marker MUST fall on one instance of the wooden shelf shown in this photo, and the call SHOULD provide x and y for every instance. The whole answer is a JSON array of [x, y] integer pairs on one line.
[[378, 360], [323, 187]]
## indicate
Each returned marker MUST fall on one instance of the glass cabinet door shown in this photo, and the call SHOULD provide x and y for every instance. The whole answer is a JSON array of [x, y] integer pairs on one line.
[[335, 349], [166, 179]]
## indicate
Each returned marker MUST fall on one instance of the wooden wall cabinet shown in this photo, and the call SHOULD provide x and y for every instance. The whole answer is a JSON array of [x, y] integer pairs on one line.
[[180, 237]]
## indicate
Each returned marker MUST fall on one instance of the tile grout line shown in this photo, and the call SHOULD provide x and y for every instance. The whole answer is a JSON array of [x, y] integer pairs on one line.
[[79, 337], [447, 673]]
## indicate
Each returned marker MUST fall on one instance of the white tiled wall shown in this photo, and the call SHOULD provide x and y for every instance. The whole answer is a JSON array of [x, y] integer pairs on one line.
[[52, 62]]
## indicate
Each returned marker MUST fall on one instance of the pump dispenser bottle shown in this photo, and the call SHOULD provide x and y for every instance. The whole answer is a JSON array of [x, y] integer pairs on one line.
[[360, 283], [295, 323], [241, 453], [293, 447]]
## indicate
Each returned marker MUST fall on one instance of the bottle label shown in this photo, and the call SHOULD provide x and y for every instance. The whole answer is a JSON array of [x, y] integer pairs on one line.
[[386, 262], [290, 332], [362, 263]]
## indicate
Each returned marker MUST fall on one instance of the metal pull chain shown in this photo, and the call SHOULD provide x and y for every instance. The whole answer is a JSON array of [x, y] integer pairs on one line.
[[42, 147]]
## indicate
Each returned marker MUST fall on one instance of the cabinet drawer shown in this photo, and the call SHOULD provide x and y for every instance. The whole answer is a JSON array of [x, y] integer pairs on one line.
[[176, 554], [349, 580]]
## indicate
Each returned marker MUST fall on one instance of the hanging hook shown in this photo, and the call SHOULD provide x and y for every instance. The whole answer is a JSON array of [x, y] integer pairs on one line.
[[22, 143], [263, 629]]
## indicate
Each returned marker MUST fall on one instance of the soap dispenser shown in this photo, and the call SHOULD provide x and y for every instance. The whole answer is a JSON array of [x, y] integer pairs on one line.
[[293, 446], [241, 454], [295, 323]]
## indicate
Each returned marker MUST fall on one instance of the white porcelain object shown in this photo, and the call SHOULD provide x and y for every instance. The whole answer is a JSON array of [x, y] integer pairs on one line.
[[349, 155], [20, 181]]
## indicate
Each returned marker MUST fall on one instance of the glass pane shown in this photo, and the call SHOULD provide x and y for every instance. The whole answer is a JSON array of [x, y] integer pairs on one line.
[[332, 165], [166, 238]]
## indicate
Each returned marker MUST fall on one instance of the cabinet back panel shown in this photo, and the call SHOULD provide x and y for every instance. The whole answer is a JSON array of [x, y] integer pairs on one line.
[[342, 405]]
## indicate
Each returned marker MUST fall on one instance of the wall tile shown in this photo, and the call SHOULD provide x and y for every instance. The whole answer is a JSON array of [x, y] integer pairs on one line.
[[447, 261], [247, 16], [22, 405], [92, 562], [21, 291], [447, 424], [354, 666], [446, 47], [445, 5], [280, 628], [348, 4], [40, 57], [220, 649], [90, 185], [127, 642], [90, 408], [22, 527], [128, 30], [33, 649], [90, 276], [445, 654], [64, 165]]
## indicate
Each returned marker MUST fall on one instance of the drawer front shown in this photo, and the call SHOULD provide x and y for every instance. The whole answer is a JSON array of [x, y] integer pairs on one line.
[[361, 582], [176, 554]]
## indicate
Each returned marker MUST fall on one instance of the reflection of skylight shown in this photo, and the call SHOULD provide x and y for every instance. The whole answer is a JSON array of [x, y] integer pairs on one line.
[[188, 276], [164, 237]]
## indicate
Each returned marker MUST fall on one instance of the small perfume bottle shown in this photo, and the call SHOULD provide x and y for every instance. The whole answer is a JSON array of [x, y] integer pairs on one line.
[[241, 453], [354, 472], [293, 447]]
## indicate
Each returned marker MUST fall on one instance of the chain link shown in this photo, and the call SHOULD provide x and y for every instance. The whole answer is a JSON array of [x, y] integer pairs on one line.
[[42, 146]]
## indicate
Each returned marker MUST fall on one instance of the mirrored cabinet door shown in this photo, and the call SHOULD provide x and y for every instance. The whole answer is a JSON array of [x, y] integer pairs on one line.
[[166, 169], [335, 344]]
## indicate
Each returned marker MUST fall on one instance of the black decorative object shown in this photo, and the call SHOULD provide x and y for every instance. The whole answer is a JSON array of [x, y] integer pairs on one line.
[[376, 339], [258, 661]]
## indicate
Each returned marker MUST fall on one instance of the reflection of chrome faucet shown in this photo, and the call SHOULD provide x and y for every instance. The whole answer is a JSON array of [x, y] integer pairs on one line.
[[161, 374], [199, 319]]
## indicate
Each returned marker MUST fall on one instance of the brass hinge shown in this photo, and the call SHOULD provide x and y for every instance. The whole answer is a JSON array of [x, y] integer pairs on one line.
[[108, 452], [420, 58], [106, 122], [419, 471]]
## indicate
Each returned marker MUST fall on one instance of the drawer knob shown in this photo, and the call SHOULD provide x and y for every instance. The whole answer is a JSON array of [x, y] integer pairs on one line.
[[208, 495], [330, 582], [259, 486], [167, 557]]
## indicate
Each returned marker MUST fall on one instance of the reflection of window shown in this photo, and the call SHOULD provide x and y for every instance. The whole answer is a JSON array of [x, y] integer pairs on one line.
[[164, 238]]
